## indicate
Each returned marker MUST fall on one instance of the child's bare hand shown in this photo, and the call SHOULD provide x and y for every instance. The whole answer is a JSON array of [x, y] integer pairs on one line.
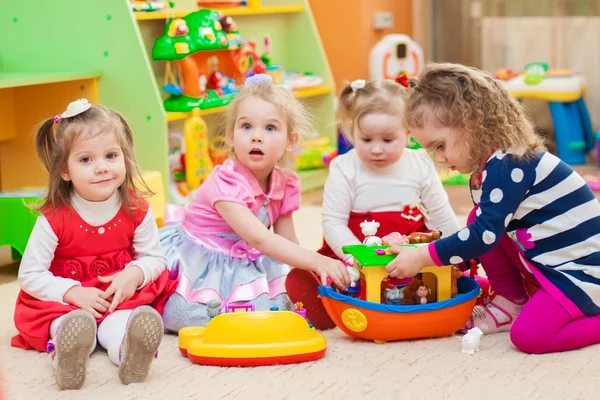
[[408, 262], [87, 298], [334, 269], [123, 285]]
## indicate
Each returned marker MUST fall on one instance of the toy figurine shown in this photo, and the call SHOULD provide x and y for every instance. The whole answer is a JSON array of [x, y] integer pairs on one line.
[[395, 238], [422, 237], [393, 296], [354, 288], [369, 229], [421, 294], [213, 308], [415, 293]]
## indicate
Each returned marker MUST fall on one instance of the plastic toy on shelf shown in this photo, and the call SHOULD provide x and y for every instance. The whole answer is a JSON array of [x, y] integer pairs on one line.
[[209, 59], [144, 5], [221, 3], [313, 154], [246, 339], [395, 55]]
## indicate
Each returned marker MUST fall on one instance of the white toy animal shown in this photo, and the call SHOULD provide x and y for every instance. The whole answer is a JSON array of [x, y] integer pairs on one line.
[[369, 229], [470, 342]]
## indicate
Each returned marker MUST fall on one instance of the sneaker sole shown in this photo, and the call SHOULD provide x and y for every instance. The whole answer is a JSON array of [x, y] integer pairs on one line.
[[307, 291], [143, 336], [75, 339]]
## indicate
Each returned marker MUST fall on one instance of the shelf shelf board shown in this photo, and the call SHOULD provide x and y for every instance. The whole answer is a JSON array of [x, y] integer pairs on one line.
[[299, 94], [153, 15], [17, 79]]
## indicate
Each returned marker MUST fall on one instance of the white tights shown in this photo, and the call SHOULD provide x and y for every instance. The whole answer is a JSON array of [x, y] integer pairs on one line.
[[111, 332]]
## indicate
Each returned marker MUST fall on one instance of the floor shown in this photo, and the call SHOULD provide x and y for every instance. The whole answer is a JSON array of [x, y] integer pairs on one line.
[[351, 369]]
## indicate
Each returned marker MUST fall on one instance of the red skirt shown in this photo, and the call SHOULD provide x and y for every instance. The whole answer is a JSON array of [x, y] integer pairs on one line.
[[33, 317], [389, 221]]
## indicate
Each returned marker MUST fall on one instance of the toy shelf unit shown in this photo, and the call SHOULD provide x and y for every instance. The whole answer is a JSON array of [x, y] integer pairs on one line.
[[202, 56], [94, 52]]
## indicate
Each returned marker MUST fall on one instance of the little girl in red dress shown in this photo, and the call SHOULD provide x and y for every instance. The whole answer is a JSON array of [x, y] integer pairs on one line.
[[93, 269], [379, 180]]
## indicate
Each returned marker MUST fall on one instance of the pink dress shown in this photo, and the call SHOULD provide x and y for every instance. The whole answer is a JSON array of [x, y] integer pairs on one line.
[[211, 260]]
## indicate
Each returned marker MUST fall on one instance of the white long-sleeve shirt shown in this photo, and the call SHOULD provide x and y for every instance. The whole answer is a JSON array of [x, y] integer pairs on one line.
[[34, 275], [353, 186]]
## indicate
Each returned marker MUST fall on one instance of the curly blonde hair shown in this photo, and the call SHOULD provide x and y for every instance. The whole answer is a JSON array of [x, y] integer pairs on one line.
[[381, 97], [298, 119], [474, 103]]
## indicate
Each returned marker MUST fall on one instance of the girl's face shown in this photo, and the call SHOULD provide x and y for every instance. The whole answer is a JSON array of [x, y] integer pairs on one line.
[[445, 145], [381, 139], [260, 135], [96, 167]]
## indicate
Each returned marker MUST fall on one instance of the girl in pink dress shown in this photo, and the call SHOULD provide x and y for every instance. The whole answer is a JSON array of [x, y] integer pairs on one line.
[[93, 267], [221, 246]]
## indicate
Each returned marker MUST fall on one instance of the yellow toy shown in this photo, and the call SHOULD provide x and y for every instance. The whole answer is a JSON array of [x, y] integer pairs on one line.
[[198, 164], [252, 339]]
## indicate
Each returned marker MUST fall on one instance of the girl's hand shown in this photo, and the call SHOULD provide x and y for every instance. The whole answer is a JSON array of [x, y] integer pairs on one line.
[[87, 298], [123, 285], [409, 262], [336, 270]]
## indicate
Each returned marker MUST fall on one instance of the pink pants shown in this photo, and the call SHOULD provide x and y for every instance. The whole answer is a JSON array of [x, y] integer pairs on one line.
[[544, 326]]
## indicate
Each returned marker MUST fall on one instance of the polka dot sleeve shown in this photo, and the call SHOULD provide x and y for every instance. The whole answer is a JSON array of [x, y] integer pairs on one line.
[[505, 182]]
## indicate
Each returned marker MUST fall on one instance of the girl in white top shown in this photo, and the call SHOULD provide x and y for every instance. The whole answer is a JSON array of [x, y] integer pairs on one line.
[[380, 179]]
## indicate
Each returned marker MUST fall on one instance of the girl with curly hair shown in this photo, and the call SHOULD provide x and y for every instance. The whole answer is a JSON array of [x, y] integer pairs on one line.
[[534, 217]]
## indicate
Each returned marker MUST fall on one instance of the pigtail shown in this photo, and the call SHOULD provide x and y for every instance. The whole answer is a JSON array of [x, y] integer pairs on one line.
[[343, 114], [45, 142], [134, 187]]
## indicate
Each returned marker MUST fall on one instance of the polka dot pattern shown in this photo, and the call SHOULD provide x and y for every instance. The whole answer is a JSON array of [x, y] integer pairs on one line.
[[483, 176], [464, 234], [517, 175], [496, 196], [489, 237], [455, 260], [478, 212]]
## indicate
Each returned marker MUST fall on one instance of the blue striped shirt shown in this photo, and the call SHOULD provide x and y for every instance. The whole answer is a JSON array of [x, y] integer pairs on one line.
[[551, 214]]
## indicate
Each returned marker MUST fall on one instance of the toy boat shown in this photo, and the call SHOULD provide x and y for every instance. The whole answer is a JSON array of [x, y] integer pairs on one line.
[[252, 339], [384, 322]]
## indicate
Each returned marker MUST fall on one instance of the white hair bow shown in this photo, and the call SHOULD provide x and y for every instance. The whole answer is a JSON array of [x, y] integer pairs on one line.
[[358, 84]]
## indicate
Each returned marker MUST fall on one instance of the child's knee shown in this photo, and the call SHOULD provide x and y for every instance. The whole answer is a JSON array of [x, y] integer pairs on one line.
[[528, 337]]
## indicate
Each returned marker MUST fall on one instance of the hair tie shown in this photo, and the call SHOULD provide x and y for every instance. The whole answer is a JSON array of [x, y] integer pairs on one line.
[[358, 84], [257, 79], [402, 80], [57, 118]]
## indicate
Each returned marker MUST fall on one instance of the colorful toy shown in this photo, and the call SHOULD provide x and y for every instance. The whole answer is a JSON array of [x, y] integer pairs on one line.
[[470, 342], [198, 164], [383, 322], [415, 293], [148, 6], [313, 154], [221, 3], [299, 309], [231, 308], [208, 56], [369, 229], [563, 90], [218, 149], [251, 339], [395, 55]]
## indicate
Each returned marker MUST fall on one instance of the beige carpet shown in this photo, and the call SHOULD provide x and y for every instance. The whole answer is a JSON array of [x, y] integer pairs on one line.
[[425, 369]]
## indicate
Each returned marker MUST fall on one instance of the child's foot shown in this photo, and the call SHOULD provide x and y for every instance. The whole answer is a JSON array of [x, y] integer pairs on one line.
[[498, 316], [70, 352], [143, 335], [303, 286]]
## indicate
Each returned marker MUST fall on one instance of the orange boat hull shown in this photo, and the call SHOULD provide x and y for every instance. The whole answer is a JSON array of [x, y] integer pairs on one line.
[[381, 325]]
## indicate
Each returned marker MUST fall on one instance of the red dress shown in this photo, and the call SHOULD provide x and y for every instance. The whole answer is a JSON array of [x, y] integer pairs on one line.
[[85, 252], [402, 222]]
